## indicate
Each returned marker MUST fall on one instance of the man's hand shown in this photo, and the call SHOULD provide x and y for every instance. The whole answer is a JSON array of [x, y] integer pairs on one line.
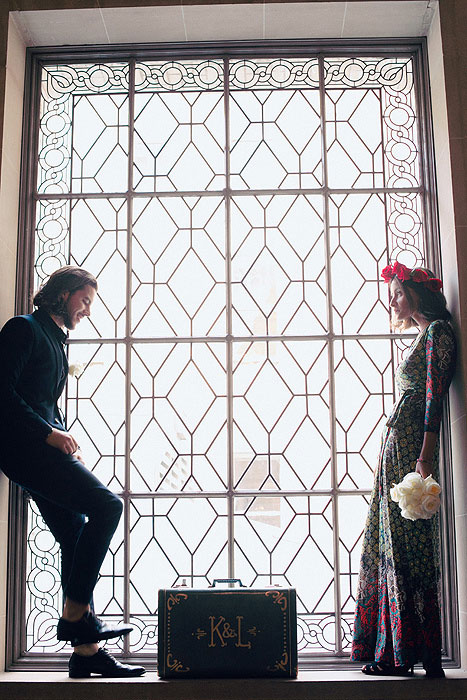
[[78, 455], [62, 441]]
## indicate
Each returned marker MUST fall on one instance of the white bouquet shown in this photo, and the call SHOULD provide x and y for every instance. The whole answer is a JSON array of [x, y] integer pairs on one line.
[[417, 497]]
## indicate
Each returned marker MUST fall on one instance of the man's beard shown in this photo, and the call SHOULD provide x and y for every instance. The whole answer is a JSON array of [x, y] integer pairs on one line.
[[61, 310]]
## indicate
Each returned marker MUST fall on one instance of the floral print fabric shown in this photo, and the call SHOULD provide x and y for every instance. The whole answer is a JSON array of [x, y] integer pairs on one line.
[[397, 617]]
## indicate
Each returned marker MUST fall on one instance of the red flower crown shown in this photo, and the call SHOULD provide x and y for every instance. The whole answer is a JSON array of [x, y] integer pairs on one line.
[[404, 274]]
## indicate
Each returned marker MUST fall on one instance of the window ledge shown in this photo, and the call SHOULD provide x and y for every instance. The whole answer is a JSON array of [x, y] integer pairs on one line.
[[326, 685]]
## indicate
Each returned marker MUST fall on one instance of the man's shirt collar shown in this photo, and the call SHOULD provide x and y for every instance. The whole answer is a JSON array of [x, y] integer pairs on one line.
[[47, 321]]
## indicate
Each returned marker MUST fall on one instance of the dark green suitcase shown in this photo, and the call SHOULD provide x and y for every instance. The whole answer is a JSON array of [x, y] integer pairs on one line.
[[227, 632]]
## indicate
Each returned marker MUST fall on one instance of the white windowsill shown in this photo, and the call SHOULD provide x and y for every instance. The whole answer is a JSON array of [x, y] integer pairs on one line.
[[325, 685]]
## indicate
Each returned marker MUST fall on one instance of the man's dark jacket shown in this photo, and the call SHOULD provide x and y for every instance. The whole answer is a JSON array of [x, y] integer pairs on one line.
[[33, 372]]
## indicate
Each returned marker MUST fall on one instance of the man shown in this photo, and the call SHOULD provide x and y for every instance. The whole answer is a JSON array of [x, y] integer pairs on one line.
[[39, 454]]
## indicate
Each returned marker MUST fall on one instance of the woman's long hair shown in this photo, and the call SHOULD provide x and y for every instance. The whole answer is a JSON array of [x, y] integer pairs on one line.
[[67, 279], [430, 304]]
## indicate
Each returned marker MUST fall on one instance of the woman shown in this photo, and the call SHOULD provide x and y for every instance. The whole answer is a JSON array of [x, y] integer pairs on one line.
[[397, 617]]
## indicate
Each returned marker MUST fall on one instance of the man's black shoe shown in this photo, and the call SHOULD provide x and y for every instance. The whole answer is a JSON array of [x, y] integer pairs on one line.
[[88, 629], [103, 664]]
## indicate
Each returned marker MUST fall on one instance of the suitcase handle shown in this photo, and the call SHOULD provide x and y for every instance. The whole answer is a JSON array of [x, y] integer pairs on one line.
[[227, 580]]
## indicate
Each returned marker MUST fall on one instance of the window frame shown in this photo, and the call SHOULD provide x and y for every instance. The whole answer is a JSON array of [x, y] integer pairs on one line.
[[16, 659]]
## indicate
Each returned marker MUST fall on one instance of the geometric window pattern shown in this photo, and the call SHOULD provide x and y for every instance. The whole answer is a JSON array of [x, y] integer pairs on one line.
[[238, 365]]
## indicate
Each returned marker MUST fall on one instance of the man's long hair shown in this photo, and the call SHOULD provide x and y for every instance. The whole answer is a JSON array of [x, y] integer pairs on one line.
[[67, 279]]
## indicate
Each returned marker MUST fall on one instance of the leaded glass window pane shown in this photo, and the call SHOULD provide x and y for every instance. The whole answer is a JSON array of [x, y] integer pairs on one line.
[[238, 366]]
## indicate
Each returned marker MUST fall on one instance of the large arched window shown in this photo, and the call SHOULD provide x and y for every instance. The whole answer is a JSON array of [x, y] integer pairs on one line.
[[237, 205]]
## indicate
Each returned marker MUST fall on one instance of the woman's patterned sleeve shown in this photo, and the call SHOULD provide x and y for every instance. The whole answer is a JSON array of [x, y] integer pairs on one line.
[[440, 365]]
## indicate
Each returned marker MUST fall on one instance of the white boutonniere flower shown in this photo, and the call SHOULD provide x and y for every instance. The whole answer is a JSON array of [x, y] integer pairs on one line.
[[418, 498], [76, 369]]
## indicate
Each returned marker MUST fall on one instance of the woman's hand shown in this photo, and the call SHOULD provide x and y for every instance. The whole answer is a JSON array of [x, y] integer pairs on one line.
[[425, 459], [424, 467]]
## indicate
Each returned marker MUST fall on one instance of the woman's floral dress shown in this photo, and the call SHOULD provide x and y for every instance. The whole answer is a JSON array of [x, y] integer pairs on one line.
[[397, 617]]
